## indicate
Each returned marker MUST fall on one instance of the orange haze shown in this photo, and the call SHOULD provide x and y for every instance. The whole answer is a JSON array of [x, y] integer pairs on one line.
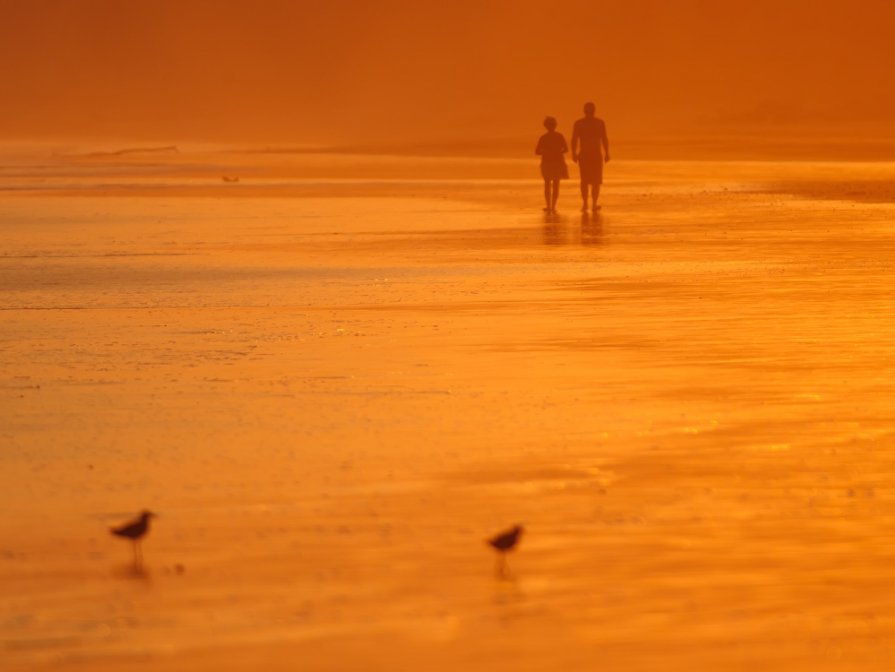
[[389, 73]]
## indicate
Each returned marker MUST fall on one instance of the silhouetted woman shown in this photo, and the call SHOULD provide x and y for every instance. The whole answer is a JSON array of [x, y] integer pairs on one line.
[[551, 147]]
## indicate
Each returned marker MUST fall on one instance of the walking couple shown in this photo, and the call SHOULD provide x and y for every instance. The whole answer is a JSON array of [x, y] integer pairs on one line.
[[590, 149]]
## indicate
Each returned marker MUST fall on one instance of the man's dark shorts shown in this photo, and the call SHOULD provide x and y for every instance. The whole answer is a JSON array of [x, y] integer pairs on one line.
[[591, 168]]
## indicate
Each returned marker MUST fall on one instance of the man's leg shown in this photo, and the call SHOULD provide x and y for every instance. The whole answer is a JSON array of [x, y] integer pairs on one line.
[[596, 196], [583, 196]]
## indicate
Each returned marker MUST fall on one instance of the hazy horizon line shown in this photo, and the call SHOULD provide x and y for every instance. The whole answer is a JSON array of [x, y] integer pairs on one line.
[[771, 141]]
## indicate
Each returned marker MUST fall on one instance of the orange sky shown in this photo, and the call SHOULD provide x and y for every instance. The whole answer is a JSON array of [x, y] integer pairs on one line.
[[385, 72]]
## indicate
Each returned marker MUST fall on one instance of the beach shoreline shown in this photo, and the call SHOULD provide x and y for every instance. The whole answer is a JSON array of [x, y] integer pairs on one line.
[[334, 386]]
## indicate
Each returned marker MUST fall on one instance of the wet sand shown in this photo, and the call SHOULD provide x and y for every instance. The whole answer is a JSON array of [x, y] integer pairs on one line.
[[333, 385]]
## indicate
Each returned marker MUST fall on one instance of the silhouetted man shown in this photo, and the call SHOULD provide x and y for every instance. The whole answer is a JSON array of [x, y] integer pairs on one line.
[[590, 133]]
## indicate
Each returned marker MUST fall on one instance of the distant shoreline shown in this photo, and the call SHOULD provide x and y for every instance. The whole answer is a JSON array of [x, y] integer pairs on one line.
[[748, 144]]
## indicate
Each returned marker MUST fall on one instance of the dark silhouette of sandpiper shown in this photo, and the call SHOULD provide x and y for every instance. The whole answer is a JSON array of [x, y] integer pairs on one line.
[[135, 531], [503, 543]]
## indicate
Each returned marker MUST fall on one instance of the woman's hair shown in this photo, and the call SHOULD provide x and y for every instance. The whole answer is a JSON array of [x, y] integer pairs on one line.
[[550, 123]]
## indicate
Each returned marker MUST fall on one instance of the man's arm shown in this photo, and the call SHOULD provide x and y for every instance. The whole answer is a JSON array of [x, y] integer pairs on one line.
[[605, 141]]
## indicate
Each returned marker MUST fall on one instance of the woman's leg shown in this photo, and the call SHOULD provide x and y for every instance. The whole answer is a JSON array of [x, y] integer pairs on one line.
[[547, 195], [555, 194]]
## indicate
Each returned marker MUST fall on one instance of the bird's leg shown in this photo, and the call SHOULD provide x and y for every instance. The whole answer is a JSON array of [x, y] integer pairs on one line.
[[501, 569], [138, 554]]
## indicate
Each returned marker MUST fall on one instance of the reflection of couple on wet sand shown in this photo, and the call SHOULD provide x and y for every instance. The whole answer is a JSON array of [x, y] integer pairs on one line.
[[590, 150]]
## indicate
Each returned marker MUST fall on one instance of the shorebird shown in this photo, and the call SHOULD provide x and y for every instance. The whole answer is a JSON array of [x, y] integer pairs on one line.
[[135, 531], [503, 543]]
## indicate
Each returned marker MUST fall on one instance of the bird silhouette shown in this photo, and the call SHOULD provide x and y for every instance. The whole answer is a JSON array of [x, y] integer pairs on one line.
[[135, 531], [503, 543]]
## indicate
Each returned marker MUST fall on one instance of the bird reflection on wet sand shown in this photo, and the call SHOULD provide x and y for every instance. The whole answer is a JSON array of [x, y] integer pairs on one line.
[[134, 572]]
